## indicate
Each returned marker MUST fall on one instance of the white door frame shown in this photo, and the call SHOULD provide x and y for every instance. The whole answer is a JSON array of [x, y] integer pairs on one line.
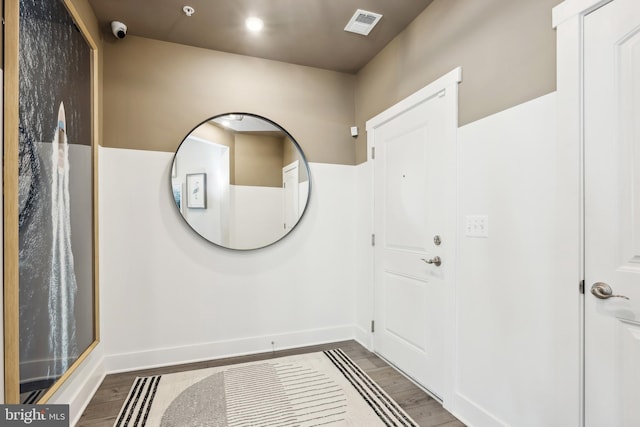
[[286, 170], [448, 82], [568, 20]]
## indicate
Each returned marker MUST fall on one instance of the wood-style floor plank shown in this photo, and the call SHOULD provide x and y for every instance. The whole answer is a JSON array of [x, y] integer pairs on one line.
[[427, 412]]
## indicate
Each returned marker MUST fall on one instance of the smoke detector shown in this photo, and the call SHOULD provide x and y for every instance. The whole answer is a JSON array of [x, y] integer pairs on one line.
[[362, 22], [188, 10]]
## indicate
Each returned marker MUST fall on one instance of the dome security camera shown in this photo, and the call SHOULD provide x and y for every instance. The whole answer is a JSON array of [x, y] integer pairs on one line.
[[118, 29]]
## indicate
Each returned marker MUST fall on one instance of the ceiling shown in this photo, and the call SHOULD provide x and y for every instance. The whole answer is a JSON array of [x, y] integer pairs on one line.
[[304, 32]]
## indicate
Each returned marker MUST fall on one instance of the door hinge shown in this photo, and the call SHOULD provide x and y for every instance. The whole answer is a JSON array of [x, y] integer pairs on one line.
[[373, 240], [373, 153], [373, 326], [582, 286]]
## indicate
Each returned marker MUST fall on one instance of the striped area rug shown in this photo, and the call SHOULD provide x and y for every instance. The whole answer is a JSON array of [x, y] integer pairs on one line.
[[317, 389]]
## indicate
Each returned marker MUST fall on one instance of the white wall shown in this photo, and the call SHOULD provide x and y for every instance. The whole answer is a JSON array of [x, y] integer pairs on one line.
[[256, 217], [168, 296], [364, 262], [517, 332], [517, 348]]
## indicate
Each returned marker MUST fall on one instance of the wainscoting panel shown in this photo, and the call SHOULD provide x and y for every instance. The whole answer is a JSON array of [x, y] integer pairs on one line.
[[517, 358], [171, 297]]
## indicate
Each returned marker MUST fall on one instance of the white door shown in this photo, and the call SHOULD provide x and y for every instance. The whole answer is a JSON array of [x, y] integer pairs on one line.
[[612, 215], [414, 221], [290, 186]]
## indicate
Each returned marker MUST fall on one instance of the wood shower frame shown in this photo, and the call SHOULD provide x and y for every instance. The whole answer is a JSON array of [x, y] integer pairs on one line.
[[11, 202]]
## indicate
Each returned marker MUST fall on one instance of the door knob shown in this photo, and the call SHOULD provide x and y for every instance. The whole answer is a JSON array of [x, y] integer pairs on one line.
[[435, 261], [603, 291]]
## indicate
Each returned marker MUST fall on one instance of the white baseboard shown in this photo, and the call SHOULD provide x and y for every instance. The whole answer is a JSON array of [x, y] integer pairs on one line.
[[78, 390], [230, 348], [465, 409], [363, 337]]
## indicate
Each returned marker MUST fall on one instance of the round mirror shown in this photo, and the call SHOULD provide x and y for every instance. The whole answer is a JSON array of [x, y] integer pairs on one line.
[[240, 181]]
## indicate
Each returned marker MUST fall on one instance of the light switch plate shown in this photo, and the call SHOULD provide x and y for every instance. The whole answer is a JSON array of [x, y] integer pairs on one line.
[[477, 226]]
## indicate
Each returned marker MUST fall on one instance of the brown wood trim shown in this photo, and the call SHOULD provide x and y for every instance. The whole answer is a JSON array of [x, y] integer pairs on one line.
[[81, 25], [45, 397], [95, 91], [95, 141], [10, 207]]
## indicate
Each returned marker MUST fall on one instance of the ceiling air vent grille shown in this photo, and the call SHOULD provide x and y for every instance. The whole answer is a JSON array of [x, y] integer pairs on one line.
[[362, 22]]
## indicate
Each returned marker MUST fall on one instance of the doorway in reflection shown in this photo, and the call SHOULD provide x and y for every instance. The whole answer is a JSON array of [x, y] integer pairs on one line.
[[254, 175], [211, 159]]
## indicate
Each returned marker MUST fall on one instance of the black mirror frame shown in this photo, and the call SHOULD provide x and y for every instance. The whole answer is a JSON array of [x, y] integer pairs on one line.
[[296, 146]]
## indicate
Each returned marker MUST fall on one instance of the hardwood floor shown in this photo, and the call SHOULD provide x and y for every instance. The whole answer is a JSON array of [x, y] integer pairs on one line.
[[427, 412]]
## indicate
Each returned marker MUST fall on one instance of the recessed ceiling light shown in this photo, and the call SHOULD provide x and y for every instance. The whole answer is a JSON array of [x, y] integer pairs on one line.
[[254, 24]]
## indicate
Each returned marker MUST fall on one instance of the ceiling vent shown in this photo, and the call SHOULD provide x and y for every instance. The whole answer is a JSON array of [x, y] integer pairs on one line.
[[363, 22]]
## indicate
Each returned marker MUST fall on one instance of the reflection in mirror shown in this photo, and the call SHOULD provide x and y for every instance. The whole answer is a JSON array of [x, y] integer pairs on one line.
[[240, 181]]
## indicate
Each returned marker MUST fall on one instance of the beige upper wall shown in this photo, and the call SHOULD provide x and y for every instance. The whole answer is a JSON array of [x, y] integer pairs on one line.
[[156, 92], [258, 160], [507, 50]]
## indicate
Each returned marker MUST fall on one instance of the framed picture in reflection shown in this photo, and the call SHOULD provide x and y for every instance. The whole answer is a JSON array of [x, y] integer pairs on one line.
[[197, 191]]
